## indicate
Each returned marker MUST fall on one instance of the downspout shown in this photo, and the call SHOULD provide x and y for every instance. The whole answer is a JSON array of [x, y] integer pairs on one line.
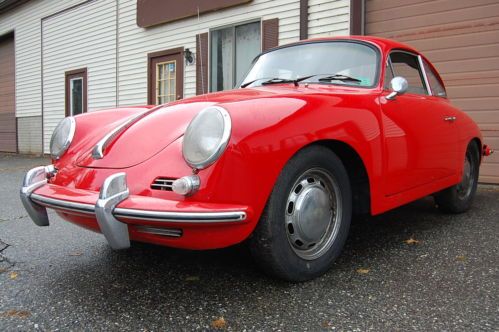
[[357, 17], [303, 19]]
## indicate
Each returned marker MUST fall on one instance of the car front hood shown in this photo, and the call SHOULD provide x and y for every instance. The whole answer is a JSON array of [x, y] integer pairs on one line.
[[153, 132], [144, 138]]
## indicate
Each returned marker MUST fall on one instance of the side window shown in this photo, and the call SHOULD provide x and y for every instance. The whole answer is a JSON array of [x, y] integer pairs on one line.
[[388, 75], [407, 66], [437, 87]]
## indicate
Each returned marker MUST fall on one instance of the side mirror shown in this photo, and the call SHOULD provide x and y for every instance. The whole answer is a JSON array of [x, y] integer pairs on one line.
[[399, 87]]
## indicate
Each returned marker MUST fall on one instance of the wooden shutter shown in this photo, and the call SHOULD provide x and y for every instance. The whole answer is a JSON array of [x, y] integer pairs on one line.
[[202, 63], [270, 29]]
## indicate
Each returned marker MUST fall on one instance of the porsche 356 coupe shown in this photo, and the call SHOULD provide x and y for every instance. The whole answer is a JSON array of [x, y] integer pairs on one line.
[[316, 131]]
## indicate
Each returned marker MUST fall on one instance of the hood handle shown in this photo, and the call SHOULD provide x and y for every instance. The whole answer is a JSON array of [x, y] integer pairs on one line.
[[100, 147]]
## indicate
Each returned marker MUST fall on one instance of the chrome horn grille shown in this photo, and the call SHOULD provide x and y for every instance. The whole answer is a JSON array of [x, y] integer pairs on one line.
[[163, 184], [170, 232]]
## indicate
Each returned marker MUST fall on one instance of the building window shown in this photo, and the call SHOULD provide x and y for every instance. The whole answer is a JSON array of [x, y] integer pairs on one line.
[[76, 96], [166, 76], [165, 82], [76, 92], [232, 50]]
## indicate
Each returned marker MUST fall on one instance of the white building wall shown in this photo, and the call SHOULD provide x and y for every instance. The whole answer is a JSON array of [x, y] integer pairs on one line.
[[25, 21], [83, 37], [328, 18], [103, 36], [135, 43]]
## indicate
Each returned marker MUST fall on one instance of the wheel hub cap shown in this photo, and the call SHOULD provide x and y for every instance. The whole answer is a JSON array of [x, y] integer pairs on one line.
[[464, 188], [312, 213]]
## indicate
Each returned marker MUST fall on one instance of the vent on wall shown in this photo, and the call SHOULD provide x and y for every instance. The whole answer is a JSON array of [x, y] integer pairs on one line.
[[163, 184]]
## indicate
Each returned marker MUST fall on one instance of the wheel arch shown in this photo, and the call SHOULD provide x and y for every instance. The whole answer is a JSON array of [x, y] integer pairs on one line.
[[357, 173], [478, 142]]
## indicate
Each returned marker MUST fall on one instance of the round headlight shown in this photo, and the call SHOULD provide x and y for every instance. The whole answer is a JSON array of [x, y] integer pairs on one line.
[[206, 137], [62, 137]]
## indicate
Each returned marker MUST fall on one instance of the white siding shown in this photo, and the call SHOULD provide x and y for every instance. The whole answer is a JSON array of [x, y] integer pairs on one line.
[[328, 18], [116, 62], [25, 22], [83, 37], [135, 43]]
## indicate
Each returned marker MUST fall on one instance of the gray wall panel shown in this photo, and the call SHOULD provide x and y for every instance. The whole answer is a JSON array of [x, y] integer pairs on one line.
[[29, 131]]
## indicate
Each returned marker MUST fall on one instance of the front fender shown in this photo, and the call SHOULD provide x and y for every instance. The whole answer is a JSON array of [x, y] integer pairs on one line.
[[268, 132]]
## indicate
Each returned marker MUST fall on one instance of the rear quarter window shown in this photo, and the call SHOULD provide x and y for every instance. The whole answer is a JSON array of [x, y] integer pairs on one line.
[[437, 89]]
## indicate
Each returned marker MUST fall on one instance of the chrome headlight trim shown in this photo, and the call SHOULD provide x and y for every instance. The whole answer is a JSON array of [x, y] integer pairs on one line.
[[222, 144], [67, 140]]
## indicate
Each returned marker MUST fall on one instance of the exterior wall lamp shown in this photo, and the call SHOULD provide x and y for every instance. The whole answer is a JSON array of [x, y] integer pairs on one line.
[[189, 56]]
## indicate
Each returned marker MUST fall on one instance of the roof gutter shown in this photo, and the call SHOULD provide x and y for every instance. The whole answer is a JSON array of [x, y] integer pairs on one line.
[[7, 5]]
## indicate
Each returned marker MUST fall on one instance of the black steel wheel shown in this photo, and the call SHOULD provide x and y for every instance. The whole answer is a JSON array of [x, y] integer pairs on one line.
[[458, 198], [307, 217]]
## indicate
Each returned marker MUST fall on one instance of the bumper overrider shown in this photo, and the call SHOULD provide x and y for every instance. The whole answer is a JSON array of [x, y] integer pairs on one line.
[[106, 211]]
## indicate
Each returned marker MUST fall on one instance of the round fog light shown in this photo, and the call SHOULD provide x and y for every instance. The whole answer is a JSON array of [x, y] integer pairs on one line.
[[187, 185]]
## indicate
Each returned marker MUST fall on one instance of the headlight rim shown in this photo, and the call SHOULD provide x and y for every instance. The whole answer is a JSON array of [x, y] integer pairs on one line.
[[68, 140], [222, 145]]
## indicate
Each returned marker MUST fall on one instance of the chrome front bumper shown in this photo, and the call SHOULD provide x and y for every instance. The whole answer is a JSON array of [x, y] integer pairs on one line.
[[113, 192]]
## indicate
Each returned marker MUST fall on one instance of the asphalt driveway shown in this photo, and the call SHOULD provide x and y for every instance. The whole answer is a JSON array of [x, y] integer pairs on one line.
[[410, 269]]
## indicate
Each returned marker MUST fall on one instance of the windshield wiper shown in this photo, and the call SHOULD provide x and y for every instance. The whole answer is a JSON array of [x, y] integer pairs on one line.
[[277, 80], [339, 77], [251, 82]]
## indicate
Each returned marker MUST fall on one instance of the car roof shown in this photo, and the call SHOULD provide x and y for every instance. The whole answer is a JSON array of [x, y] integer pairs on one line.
[[383, 44]]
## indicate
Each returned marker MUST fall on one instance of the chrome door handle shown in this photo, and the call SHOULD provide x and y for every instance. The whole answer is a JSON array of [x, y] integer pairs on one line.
[[450, 118]]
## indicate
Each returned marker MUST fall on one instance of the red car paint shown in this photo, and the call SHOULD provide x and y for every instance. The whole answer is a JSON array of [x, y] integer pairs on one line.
[[407, 149]]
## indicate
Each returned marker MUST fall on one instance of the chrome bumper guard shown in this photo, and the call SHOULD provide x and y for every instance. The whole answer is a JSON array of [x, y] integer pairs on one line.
[[113, 191], [34, 179]]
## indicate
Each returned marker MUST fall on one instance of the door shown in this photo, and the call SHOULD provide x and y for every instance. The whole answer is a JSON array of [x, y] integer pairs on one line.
[[166, 73], [8, 130], [420, 136]]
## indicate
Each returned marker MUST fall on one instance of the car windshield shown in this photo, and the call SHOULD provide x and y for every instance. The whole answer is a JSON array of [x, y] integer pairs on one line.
[[336, 62]]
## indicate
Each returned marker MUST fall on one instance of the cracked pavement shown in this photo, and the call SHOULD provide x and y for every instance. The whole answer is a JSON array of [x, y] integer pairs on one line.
[[63, 277], [5, 263]]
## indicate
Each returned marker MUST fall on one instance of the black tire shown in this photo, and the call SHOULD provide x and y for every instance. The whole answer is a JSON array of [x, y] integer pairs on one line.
[[458, 198], [275, 244]]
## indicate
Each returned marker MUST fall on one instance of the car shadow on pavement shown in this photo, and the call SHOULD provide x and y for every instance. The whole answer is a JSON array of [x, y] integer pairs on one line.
[[161, 273], [156, 285]]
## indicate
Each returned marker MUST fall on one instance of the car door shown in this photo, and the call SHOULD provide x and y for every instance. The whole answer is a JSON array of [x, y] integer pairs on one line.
[[419, 131]]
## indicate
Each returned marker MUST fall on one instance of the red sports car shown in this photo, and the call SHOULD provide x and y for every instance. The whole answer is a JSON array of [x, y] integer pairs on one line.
[[317, 130]]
